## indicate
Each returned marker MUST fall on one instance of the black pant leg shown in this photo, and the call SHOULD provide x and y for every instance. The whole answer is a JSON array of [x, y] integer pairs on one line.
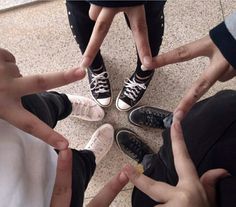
[[204, 127], [49, 107], [209, 130], [82, 26], [82, 171], [157, 171], [155, 24]]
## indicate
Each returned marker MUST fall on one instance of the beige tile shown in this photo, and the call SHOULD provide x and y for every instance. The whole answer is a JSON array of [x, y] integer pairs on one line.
[[228, 6], [10, 4], [40, 38], [122, 200]]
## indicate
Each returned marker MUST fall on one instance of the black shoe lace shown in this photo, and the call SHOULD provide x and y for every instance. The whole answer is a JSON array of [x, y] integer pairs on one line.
[[154, 118], [135, 149]]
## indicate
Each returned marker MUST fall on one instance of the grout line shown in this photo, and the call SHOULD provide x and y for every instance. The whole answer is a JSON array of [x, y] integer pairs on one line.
[[222, 9]]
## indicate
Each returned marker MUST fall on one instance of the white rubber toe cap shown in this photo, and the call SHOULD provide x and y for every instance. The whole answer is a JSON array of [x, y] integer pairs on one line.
[[104, 101], [122, 106]]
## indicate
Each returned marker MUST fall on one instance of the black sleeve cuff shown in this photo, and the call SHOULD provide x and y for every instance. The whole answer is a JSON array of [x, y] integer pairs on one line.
[[120, 3], [226, 43]]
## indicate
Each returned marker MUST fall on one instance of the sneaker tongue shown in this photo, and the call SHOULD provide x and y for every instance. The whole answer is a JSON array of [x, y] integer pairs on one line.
[[136, 79], [139, 117], [141, 79]]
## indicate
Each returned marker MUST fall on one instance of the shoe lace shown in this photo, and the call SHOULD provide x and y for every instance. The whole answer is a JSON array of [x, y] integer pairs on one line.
[[100, 82], [81, 108], [154, 118], [134, 149], [133, 88]]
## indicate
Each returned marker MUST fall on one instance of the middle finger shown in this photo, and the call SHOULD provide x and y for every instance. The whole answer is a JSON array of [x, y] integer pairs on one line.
[[138, 25], [99, 33]]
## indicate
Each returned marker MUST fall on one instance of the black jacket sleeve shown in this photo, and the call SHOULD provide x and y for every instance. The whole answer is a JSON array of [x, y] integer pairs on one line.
[[224, 37]]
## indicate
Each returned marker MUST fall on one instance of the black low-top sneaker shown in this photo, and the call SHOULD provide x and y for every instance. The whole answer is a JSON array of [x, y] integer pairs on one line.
[[132, 93], [132, 145], [146, 116], [100, 86]]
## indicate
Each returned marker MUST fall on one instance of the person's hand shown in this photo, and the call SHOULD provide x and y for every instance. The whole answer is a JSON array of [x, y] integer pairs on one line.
[[218, 68], [104, 17], [190, 190], [61, 196], [13, 86], [108, 193]]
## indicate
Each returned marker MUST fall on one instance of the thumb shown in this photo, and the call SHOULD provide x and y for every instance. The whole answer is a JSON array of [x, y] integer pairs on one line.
[[209, 180]]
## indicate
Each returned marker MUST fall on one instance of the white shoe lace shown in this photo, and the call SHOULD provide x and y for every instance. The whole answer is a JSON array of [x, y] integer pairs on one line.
[[133, 88], [80, 108], [100, 82]]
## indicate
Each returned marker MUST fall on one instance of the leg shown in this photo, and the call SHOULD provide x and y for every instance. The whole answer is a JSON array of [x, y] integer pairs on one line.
[[82, 26], [208, 130], [82, 171], [84, 161], [129, 97], [206, 126], [49, 107]]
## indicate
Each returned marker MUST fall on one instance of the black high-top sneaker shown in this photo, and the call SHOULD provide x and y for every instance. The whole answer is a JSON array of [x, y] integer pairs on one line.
[[147, 116], [100, 86], [132, 92]]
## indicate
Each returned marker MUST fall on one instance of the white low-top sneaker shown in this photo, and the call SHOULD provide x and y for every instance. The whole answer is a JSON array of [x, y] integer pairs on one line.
[[85, 108], [101, 141]]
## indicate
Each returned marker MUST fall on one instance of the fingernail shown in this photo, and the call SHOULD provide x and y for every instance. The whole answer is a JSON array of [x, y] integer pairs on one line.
[[129, 170], [143, 68], [63, 154], [147, 60], [177, 126], [62, 145], [123, 177], [178, 115]]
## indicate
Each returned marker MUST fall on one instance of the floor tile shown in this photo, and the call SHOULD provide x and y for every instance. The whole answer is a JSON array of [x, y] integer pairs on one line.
[[228, 6], [40, 38]]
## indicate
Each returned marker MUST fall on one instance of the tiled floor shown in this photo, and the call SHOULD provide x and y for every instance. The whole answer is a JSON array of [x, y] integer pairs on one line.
[[40, 38], [9, 4]]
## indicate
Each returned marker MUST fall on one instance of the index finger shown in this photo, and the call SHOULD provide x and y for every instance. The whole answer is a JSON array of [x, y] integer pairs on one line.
[[38, 83], [201, 86], [139, 29], [62, 191], [108, 193], [183, 163], [184, 53], [29, 123], [5, 55], [100, 31], [158, 191]]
